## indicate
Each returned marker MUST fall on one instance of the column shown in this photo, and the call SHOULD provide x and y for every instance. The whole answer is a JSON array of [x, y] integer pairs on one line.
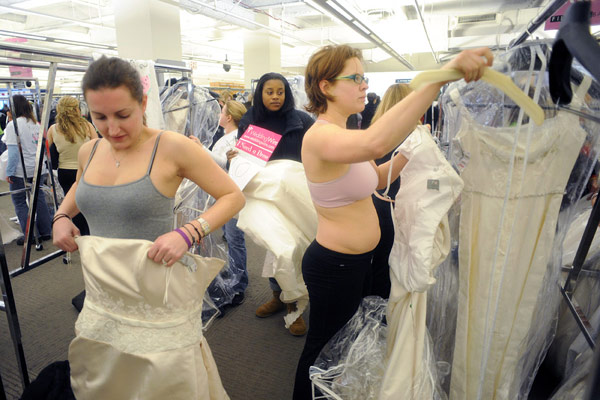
[[148, 30], [262, 52]]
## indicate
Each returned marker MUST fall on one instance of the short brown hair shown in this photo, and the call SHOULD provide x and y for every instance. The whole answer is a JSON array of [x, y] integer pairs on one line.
[[327, 63]]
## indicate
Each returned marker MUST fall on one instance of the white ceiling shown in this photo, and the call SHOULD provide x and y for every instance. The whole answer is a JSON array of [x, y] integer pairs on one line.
[[209, 36]]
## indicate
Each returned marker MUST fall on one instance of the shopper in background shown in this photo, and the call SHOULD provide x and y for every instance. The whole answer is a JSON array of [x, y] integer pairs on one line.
[[69, 133], [341, 178], [369, 111], [273, 109], [29, 131], [380, 283], [230, 116]]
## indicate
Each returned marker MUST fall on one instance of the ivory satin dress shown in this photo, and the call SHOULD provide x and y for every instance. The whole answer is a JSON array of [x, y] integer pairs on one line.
[[139, 334]]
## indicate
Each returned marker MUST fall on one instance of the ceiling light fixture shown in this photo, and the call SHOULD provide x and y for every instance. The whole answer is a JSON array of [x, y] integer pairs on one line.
[[57, 40], [225, 12], [336, 9], [39, 14]]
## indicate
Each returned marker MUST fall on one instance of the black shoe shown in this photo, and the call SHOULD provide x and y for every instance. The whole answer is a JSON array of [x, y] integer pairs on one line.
[[77, 301], [45, 238], [238, 299], [20, 240]]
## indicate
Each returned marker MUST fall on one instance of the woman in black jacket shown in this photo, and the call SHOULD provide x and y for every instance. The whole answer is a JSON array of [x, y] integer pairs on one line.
[[273, 108]]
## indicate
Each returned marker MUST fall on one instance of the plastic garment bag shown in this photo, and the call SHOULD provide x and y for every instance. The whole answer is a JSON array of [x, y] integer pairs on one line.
[[191, 110], [422, 241], [515, 176], [190, 203], [350, 366], [297, 86], [279, 216]]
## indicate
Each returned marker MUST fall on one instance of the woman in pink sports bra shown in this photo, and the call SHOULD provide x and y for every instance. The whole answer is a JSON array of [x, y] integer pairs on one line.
[[341, 177]]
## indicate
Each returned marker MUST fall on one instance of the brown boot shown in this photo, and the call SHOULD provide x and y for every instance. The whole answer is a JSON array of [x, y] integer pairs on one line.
[[298, 327], [271, 307]]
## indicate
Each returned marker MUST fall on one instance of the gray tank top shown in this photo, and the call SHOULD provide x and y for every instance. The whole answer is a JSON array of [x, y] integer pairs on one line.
[[135, 210]]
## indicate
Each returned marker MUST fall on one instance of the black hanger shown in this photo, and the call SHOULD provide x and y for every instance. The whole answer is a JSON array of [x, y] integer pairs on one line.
[[573, 40]]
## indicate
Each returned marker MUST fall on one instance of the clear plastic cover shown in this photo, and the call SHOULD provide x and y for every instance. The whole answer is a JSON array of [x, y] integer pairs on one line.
[[351, 365], [190, 203], [297, 86], [513, 211], [191, 110]]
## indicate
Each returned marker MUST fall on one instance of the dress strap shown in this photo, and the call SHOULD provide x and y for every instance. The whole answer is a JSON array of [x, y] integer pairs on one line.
[[154, 152], [90, 158]]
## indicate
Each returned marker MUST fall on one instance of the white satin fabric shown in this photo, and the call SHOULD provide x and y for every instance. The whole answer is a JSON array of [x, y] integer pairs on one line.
[[422, 241], [139, 334], [280, 217], [519, 244]]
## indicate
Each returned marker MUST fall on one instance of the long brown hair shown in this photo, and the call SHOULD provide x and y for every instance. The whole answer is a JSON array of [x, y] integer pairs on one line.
[[23, 108], [69, 120], [394, 94]]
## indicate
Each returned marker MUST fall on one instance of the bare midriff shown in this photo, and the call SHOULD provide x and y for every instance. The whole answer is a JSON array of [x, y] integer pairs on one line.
[[351, 229]]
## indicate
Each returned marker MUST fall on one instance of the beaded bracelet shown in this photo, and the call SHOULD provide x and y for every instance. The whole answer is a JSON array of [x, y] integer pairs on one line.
[[200, 237], [184, 236], [57, 217]]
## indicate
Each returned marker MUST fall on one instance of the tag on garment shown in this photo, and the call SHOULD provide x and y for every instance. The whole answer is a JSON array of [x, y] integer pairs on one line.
[[433, 184], [464, 161]]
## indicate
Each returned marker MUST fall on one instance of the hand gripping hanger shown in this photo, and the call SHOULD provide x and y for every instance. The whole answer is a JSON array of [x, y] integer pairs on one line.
[[573, 40], [494, 78]]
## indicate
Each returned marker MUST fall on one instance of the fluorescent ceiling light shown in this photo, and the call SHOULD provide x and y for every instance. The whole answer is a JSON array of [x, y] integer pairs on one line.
[[57, 40], [337, 10], [365, 30], [340, 10], [22, 35], [39, 14]]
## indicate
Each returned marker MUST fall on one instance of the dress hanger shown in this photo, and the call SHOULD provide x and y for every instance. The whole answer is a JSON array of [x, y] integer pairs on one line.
[[573, 40], [494, 78]]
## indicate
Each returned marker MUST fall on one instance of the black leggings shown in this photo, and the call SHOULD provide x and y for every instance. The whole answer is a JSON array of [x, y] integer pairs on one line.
[[66, 178], [336, 283]]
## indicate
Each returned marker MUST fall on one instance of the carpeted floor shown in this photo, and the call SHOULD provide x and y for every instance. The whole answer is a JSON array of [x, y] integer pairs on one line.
[[256, 357]]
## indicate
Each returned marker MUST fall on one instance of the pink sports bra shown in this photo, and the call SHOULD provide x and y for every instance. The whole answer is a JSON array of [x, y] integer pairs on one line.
[[359, 182]]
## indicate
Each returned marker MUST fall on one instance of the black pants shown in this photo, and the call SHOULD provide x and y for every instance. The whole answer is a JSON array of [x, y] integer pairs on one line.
[[66, 178], [381, 283], [336, 283]]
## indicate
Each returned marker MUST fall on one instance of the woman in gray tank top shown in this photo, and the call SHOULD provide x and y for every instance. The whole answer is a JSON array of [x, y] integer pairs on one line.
[[126, 181]]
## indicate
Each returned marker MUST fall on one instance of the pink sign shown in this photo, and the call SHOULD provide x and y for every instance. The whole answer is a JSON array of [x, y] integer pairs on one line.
[[554, 21], [20, 72], [258, 142]]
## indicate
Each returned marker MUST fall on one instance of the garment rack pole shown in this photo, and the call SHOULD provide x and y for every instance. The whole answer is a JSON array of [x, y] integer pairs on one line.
[[11, 314], [582, 250], [37, 174], [538, 21], [8, 304]]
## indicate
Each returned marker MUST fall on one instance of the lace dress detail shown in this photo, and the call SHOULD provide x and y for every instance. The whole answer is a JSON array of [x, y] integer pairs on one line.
[[139, 334]]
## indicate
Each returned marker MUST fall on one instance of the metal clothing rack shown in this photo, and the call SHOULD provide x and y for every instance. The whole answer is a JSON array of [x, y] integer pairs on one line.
[[8, 301]]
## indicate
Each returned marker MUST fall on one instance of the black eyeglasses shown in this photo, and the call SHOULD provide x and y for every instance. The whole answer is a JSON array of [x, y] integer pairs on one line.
[[357, 78]]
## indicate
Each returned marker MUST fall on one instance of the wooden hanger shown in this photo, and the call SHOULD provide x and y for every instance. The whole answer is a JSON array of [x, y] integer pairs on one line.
[[494, 78]]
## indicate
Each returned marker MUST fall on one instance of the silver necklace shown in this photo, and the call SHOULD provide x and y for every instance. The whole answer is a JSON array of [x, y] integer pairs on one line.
[[118, 161]]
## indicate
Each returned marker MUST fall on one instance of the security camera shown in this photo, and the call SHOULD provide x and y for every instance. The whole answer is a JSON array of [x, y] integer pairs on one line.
[[226, 67]]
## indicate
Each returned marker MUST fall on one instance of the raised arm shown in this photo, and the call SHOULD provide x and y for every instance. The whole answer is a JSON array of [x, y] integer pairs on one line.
[[331, 143]]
